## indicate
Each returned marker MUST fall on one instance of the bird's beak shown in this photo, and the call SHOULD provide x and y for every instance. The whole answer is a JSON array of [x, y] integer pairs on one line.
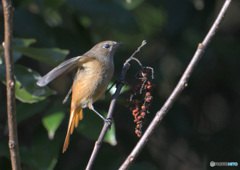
[[118, 44]]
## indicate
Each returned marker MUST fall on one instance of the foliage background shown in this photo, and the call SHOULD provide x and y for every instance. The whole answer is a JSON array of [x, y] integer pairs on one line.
[[203, 124]]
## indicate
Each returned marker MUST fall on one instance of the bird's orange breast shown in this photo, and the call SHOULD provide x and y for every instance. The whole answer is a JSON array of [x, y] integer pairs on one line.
[[90, 83]]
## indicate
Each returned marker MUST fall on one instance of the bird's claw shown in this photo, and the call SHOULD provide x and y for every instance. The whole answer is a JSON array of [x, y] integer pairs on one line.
[[124, 82], [109, 122]]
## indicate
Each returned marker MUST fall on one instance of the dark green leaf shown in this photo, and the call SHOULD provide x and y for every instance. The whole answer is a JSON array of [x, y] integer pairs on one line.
[[52, 56], [22, 42], [110, 136], [52, 122], [25, 86], [91, 126], [18, 43]]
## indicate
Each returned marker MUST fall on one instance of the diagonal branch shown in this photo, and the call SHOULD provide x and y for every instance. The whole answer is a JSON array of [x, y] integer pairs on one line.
[[10, 83], [178, 89], [106, 126]]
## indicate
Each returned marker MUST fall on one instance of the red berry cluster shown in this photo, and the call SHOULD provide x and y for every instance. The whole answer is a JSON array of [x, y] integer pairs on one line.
[[138, 107]]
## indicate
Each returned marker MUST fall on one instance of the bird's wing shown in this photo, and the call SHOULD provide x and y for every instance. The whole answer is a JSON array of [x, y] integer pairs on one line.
[[63, 68]]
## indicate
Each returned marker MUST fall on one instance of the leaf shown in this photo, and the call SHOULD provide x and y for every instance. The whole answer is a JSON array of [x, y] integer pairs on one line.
[[16, 56], [110, 136], [91, 126], [51, 56], [21, 42], [17, 42], [53, 118], [113, 89], [26, 89], [52, 122]]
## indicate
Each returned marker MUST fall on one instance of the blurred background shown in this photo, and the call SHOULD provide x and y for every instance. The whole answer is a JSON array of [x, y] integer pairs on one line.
[[202, 126]]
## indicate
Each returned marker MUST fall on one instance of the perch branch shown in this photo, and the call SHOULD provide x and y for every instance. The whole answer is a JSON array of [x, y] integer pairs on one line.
[[106, 126], [10, 83], [178, 89]]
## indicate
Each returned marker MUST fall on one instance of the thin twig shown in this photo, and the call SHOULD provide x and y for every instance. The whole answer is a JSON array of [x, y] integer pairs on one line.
[[106, 126], [132, 56], [178, 89], [10, 83]]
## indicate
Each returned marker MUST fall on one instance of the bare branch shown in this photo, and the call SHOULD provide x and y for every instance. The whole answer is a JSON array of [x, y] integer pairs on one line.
[[132, 56], [106, 126], [10, 83], [178, 89]]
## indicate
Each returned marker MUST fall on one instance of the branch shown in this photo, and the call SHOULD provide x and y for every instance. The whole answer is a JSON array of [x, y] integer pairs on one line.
[[106, 126], [178, 89], [10, 83]]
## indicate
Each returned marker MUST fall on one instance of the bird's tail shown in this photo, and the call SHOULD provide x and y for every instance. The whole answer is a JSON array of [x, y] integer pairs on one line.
[[75, 116]]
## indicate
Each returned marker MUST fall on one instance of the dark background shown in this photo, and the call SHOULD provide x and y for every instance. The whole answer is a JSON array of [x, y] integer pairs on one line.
[[202, 126]]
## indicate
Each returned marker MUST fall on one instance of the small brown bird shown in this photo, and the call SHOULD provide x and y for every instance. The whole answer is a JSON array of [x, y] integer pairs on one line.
[[95, 70]]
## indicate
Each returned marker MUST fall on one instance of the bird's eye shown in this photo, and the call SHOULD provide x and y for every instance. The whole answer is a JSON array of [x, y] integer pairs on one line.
[[106, 46]]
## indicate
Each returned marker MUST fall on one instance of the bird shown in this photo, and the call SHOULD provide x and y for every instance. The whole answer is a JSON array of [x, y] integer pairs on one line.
[[95, 69]]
